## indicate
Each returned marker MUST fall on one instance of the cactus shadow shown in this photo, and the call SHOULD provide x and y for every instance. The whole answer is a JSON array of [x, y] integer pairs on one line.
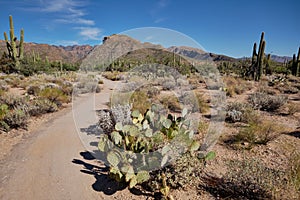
[[103, 183], [295, 134]]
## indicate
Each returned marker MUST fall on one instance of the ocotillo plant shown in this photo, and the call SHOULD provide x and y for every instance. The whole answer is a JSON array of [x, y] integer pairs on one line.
[[11, 45]]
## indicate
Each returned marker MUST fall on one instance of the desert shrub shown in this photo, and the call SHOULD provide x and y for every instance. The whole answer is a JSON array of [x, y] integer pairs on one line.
[[288, 89], [293, 108], [3, 85], [246, 179], [185, 172], [140, 101], [240, 112], [203, 127], [195, 101], [255, 134], [54, 95], [122, 113], [170, 102], [266, 102], [169, 85], [182, 82], [114, 76], [13, 101], [34, 89], [235, 85], [293, 171], [41, 106], [151, 90], [16, 118], [86, 87], [67, 88], [3, 111]]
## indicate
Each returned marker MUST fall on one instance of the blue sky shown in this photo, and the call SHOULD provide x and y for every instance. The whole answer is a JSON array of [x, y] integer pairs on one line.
[[227, 27]]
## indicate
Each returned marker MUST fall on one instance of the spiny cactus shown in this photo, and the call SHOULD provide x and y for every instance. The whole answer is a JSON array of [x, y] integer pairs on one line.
[[296, 64], [127, 146], [21, 45], [268, 68], [257, 58], [11, 45]]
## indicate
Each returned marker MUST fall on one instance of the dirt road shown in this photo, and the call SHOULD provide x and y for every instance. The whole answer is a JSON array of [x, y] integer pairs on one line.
[[54, 164]]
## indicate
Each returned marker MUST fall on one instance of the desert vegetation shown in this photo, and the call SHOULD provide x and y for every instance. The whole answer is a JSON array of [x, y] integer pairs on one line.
[[156, 135]]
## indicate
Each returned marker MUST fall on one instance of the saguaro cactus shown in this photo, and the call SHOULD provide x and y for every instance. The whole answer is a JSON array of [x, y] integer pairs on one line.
[[268, 69], [11, 45], [21, 45], [13, 39], [258, 58], [296, 64]]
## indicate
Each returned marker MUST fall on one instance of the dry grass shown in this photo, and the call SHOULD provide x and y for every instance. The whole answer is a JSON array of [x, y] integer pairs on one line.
[[236, 86], [255, 134], [170, 102]]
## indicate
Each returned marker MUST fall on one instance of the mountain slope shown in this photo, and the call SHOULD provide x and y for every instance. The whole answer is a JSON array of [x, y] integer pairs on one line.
[[69, 54]]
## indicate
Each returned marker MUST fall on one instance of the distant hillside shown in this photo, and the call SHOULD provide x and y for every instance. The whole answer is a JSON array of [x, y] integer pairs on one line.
[[112, 48], [68, 54], [199, 54], [281, 59], [150, 56], [115, 46]]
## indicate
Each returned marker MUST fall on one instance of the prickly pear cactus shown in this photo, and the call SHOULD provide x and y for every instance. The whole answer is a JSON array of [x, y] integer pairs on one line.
[[148, 142]]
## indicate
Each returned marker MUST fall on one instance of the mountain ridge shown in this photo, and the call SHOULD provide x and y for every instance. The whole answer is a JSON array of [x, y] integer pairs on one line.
[[77, 53]]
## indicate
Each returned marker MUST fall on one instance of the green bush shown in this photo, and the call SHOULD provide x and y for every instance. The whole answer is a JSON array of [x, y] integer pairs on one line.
[[42, 106], [16, 118], [54, 95], [255, 134]]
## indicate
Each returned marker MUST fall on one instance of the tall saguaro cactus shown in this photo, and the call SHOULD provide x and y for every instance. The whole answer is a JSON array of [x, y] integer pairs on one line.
[[296, 64], [11, 45], [258, 58], [21, 45]]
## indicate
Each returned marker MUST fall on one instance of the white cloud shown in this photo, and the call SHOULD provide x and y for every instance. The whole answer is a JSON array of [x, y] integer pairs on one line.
[[58, 5], [71, 11], [159, 6], [89, 33], [162, 3], [76, 21], [159, 20]]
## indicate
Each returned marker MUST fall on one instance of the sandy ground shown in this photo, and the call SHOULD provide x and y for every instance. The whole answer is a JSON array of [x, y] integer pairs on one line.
[[52, 163]]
